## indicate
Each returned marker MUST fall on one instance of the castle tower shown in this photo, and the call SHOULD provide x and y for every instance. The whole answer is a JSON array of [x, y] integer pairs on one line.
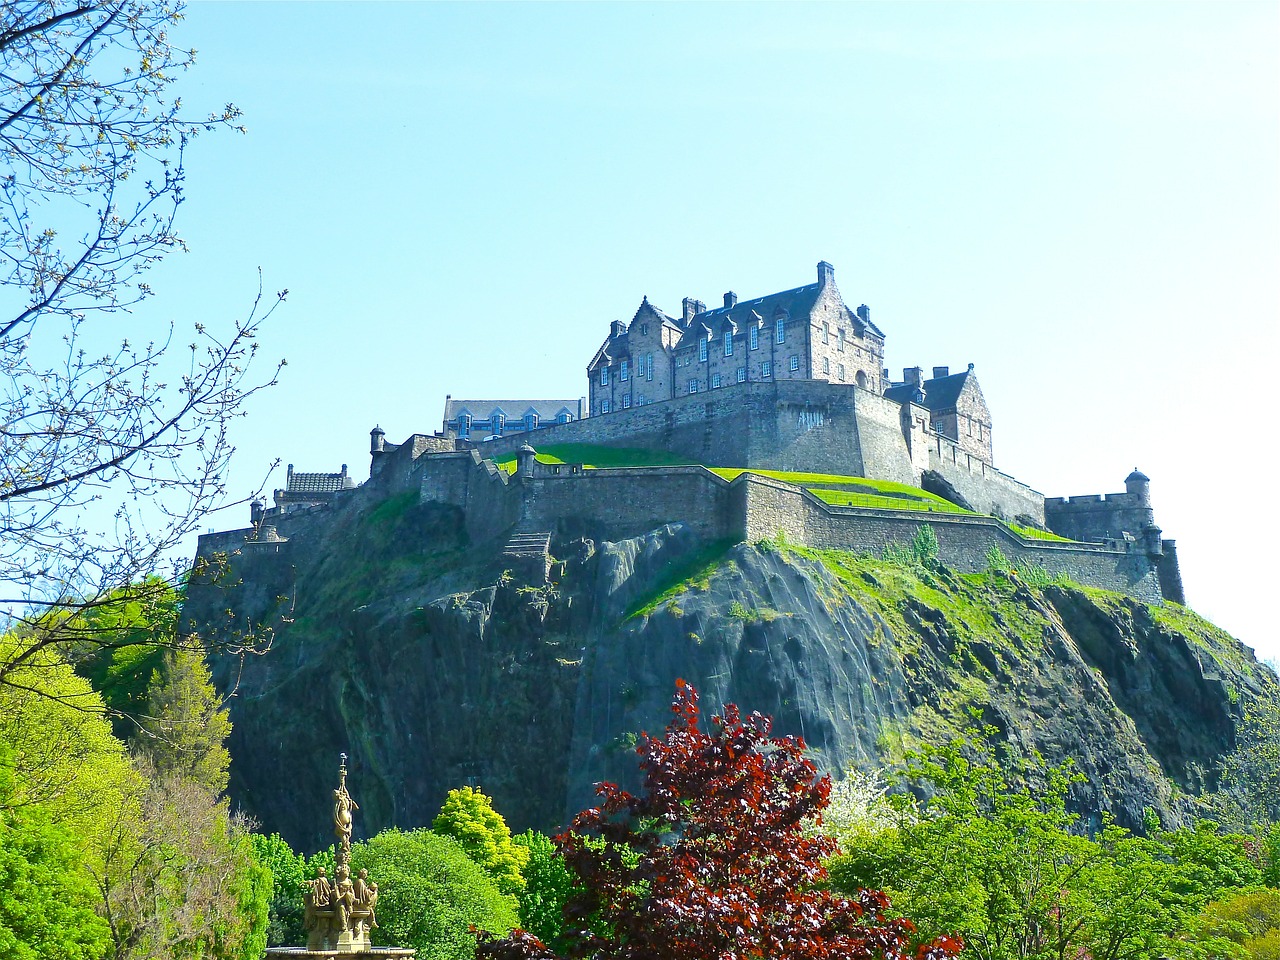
[[377, 440], [1138, 485], [257, 510]]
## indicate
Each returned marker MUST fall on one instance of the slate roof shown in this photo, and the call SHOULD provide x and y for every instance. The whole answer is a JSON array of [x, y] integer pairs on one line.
[[940, 393], [546, 410], [315, 483], [797, 302]]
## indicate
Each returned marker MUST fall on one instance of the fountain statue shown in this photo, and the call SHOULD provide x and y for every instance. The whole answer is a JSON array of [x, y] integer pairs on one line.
[[340, 911]]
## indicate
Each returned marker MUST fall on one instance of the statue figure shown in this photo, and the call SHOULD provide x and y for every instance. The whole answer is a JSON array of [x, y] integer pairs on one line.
[[372, 902], [344, 897], [343, 805], [366, 896], [317, 902]]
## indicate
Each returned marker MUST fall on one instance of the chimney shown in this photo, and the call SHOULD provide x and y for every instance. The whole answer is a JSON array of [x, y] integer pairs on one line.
[[864, 313], [692, 308], [940, 372], [616, 329], [884, 375], [730, 300], [912, 375], [826, 273]]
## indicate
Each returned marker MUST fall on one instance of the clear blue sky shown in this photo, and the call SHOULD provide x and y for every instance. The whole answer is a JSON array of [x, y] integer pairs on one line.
[[1080, 199]]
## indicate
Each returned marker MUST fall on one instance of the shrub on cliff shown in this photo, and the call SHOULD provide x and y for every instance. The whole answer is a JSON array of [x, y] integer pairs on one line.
[[430, 894]]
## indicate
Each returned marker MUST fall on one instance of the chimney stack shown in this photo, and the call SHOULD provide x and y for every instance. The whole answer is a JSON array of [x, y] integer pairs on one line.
[[692, 308], [730, 300], [826, 273], [912, 375], [940, 372]]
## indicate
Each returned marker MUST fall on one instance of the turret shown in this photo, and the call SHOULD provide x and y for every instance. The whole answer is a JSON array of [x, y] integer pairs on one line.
[[377, 440], [257, 510], [526, 456], [1138, 485]]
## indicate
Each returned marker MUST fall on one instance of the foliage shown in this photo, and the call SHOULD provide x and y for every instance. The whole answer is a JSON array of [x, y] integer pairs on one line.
[[1005, 869], [46, 912], [93, 417], [468, 817], [187, 725], [1249, 789], [430, 893], [288, 871], [921, 552], [548, 885], [710, 859], [1246, 925]]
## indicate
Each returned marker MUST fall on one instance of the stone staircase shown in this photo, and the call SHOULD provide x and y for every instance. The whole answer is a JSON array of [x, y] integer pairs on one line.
[[529, 553]]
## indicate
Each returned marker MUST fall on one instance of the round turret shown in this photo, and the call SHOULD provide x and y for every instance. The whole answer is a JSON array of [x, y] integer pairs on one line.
[[526, 456], [1138, 484], [257, 510], [377, 439]]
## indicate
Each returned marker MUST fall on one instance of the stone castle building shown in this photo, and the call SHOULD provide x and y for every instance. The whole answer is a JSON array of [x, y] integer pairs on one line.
[[793, 382]]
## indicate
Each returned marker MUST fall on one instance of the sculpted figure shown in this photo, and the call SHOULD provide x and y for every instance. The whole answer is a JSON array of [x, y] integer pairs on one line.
[[342, 807], [344, 897], [372, 901]]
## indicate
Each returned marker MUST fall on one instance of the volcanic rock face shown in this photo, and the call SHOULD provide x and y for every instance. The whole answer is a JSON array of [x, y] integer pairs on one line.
[[432, 666]]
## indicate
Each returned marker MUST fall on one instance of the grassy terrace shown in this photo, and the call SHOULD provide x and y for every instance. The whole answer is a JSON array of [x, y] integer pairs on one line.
[[835, 489]]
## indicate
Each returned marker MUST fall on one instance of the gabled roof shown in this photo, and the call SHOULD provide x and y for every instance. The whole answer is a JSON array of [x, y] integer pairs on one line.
[[649, 309], [940, 393], [481, 409], [315, 483]]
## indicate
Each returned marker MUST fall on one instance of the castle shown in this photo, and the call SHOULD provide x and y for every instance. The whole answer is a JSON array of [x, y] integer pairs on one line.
[[791, 382]]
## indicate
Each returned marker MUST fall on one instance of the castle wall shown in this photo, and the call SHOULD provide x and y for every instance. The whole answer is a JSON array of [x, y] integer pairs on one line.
[[624, 502], [987, 489], [789, 425], [771, 507], [484, 492], [1098, 517]]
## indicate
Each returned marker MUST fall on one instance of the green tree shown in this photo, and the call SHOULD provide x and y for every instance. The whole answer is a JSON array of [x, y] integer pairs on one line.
[[468, 816], [186, 727], [547, 886], [288, 871], [430, 894], [1246, 925], [46, 911]]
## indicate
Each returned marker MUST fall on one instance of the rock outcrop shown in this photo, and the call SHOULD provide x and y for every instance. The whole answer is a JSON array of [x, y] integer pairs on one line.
[[432, 665]]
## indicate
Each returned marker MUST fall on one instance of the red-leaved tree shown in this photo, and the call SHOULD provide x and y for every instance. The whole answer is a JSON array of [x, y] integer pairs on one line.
[[710, 862]]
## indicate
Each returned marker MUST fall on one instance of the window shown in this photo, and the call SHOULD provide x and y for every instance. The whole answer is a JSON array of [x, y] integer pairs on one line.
[[604, 375], [826, 333], [531, 421], [742, 374], [766, 370], [464, 425], [794, 363], [563, 418], [648, 367], [753, 337], [715, 381], [644, 329], [826, 364], [604, 406], [780, 331], [693, 386], [702, 349], [728, 343], [496, 423], [626, 401], [840, 371], [842, 338], [623, 372]]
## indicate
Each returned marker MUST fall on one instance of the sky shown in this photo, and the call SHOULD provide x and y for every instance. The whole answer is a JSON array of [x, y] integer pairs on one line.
[[1080, 199]]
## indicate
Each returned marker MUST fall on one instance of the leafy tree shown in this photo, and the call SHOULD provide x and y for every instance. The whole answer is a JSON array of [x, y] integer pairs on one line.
[[1003, 866], [548, 885], [187, 726], [288, 871], [1249, 790], [1246, 925], [711, 860], [92, 137], [467, 816], [430, 894], [46, 912]]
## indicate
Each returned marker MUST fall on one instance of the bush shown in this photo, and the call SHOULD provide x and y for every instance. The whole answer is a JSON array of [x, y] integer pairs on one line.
[[430, 893], [468, 817], [548, 884]]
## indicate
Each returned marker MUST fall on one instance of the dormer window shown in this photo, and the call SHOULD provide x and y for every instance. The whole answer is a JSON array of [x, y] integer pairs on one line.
[[604, 375], [702, 349], [728, 343], [753, 337], [623, 373], [464, 424], [531, 421], [780, 330], [496, 424]]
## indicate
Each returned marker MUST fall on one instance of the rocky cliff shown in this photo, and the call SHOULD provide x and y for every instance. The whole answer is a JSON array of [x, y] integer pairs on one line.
[[433, 663]]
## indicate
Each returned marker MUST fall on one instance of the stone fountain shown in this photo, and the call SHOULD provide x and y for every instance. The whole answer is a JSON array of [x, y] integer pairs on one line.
[[340, 911]]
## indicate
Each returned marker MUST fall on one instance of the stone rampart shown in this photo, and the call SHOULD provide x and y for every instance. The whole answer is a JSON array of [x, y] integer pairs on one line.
[[985, 488], [1098, 517]]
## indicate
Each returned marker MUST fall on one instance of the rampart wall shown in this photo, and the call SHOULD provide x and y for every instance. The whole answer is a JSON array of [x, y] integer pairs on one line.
[[807, 425], [1099, 516], [986, 488]]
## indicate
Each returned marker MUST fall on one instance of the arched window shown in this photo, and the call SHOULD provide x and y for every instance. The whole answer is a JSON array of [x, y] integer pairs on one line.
[[861, 380]]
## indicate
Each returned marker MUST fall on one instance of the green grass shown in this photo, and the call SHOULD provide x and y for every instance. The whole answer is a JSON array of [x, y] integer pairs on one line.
[[841, 498], [695, 573], [1031, 533], [593, 455]]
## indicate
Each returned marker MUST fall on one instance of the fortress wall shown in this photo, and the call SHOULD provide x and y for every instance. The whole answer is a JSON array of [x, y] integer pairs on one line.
[[986, 488], [224, 541], [1098, 517], [780, 425], [963, 541], [490, 502], [629, 501]]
